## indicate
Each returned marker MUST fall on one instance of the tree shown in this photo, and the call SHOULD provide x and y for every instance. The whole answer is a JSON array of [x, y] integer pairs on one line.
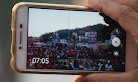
[[46, 37]]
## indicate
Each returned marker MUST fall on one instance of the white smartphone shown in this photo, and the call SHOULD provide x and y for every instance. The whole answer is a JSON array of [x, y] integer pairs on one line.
[[68, 39]]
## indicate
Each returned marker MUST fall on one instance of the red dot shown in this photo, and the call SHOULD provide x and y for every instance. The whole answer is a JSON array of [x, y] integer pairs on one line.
[[30, 59], [115, 41]]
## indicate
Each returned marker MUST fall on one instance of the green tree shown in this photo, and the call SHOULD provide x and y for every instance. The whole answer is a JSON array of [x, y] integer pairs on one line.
[[46, 37]]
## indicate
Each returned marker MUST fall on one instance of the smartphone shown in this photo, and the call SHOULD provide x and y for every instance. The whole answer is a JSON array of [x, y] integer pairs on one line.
[[68, 39]]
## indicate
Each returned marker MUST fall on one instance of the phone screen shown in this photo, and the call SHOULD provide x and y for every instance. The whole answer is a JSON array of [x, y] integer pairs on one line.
[[74, 40]]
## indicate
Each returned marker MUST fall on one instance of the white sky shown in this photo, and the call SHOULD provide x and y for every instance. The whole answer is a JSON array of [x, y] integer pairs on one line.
[[50, 20]]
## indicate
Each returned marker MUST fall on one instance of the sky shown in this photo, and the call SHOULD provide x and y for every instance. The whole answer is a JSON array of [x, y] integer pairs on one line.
[[50, 20]]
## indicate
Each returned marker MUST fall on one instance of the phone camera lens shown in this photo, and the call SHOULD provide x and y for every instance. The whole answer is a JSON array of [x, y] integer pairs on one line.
[[20, 47], [21, 26]]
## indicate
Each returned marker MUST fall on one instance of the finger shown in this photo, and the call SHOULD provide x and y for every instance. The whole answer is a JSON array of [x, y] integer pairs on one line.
[[80, 78], [110, 8], [125, 77], [108, 78], [80, 2], [136, 67], [124, 2], [124, 15], [131, 3]]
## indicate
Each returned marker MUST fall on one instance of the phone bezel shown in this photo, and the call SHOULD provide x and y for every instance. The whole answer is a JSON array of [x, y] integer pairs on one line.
[[19, 56]]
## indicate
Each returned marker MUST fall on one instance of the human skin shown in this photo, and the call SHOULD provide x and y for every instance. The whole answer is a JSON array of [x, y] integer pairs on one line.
[[125, 12]]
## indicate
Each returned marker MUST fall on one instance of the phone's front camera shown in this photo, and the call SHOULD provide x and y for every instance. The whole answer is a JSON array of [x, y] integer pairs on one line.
[[20, 47], [21, 26]]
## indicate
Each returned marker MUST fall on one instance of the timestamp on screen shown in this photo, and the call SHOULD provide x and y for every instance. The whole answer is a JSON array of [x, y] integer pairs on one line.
[[39, 60]]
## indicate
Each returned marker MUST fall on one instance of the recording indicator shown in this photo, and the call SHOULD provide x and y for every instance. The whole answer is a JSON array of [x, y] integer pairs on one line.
[[30, 60], [116, 42]]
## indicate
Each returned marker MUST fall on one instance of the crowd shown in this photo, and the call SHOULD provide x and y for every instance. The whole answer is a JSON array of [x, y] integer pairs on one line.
[[66, 51], [70, 57]]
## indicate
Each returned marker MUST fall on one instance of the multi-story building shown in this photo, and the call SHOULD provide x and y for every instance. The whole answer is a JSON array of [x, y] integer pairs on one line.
[[35, 41], [32, 40], [63, 41], [81, 35], [89, 36]]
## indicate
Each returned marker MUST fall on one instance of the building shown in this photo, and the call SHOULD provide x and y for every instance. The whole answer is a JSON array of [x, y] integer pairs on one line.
[[63, 41], [32, 40], [75, 34], [35, 41], [81, 35], [89, 36]]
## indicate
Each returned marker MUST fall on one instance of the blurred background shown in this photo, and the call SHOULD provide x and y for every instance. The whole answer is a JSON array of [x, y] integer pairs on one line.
[[6, 73]]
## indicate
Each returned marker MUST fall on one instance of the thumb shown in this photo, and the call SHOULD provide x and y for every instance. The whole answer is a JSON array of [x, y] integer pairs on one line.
[[105, 77], [80, 78]]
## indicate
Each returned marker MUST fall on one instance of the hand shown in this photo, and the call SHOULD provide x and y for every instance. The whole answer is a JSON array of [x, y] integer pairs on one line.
[[125, 12]]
